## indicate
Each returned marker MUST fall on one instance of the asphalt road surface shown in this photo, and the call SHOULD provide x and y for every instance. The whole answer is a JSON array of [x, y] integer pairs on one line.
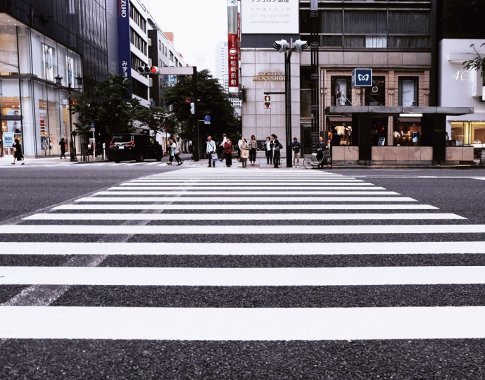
[[151, 272]]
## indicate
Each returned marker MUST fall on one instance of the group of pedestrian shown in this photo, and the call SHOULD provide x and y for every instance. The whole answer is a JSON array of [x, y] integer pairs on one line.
[[247, 151], [273, 150]]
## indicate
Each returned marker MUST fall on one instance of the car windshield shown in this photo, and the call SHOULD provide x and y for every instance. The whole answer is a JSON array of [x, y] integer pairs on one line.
[[121, 139]]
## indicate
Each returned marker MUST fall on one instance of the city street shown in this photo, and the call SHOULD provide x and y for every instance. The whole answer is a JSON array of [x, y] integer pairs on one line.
[[145, 270]]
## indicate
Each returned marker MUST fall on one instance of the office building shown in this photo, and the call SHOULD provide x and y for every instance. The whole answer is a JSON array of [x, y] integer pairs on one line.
[[49, 50], [390, 118], [460, 38]]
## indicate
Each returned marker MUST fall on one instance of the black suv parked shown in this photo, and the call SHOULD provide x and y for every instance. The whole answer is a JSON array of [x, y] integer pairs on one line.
[[133, 146]]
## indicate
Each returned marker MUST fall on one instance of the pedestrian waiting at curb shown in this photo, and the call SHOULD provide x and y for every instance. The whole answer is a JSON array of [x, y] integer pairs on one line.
[[244, 152], [228, 152], [296, 149], [18, 155], [276, 150], [269, 150], [253, 146], [320, 147], [210, 150]]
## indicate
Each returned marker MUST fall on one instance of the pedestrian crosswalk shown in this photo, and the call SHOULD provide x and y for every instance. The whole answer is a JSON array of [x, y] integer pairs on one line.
[[228, 256]]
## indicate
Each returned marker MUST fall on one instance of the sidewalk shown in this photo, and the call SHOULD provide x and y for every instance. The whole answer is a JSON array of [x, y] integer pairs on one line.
[[7, 160], [203, 162]]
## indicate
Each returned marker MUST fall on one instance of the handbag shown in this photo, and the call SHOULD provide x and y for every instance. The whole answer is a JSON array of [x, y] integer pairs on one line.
[[214, 156]]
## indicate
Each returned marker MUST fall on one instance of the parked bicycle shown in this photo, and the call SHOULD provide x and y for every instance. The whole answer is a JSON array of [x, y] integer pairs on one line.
[[312, 161]]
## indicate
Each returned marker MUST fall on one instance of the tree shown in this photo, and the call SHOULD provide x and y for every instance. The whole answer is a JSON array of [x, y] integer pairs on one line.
[[210, 99], [111, 109], [477, 63]]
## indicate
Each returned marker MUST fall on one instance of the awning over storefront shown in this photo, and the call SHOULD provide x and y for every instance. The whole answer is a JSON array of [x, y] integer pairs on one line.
[[349, 110]]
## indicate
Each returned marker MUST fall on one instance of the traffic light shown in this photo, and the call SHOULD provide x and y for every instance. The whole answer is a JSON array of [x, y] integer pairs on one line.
[[145, 70], [267, 102]]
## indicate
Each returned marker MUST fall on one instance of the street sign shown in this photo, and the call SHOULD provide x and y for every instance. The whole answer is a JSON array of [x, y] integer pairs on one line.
[[8, 139], [207, 119], [362, 77]]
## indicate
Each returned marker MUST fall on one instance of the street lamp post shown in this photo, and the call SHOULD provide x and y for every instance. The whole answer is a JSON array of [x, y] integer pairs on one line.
[[72, 143], [315, 67], [287, 48]]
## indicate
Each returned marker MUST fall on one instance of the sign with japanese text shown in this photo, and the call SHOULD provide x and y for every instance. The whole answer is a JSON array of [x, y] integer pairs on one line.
[[233, 61], [233, 50], [124, 53], [270, 16]]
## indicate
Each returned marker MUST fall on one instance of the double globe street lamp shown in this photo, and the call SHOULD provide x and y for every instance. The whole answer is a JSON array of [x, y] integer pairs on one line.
[[287, 48]]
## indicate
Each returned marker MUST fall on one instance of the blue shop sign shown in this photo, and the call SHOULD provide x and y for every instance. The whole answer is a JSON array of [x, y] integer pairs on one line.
[[362, 77]]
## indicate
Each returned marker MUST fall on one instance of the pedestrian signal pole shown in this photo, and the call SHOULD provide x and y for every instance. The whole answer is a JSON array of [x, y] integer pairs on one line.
[[267, 102]]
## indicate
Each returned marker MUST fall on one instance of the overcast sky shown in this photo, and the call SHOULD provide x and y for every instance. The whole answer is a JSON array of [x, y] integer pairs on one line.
[[198, 25]]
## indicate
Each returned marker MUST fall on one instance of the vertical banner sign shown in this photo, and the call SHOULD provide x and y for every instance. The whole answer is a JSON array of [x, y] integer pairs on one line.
[[233, 45], [124, 59]]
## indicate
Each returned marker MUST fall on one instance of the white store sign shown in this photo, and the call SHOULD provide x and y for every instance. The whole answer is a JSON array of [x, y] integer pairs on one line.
[[264, 16], [8, 139]]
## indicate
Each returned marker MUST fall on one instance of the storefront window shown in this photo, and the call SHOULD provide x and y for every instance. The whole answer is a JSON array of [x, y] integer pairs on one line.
[[379, 131], [407, 131], [467, 133], [11, 116]]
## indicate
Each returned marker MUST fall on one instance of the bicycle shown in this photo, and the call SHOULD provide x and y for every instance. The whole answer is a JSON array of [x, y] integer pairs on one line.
[[312, 161]]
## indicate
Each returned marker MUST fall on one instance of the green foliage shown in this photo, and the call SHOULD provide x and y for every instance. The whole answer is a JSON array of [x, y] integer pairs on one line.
[[112, 110], [210, 99], [477, 64]]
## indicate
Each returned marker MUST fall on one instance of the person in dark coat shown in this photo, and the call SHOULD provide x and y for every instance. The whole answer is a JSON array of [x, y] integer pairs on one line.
[[228, 152], [63, 144], [276, 150], [18, 155]]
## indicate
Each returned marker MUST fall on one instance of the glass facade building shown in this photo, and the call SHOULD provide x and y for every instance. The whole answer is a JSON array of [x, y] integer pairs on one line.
[[46, 47]]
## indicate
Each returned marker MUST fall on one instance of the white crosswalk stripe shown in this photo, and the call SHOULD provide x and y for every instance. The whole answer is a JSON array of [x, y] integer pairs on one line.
[[234, 231]]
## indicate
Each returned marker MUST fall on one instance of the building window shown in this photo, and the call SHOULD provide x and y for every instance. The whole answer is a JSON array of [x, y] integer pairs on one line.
[[376, 95], [404, 29], [341, 91], [376, 42], [408, 92]]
